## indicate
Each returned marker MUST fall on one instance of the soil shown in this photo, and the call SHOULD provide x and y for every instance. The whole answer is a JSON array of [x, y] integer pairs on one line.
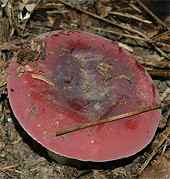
[[141, 34]]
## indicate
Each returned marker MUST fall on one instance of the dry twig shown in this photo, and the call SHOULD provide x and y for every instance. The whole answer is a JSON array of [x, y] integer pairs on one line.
[[159, 73], [158, 20], [130, 16], [42, 78], [3, 84], [103, 19], [158, 49], [3, 169], [163, 137], [118, 33], [142, 37], [111, 119], [147, 40], [153, 63]]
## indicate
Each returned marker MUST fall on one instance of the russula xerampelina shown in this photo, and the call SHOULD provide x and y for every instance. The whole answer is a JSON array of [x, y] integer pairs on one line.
[[80, 77]]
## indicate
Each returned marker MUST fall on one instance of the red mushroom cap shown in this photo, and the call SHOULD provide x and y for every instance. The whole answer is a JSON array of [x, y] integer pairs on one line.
[[80, 77]]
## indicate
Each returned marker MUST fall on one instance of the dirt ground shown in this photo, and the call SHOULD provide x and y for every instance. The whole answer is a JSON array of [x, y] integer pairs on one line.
[[143, 32]]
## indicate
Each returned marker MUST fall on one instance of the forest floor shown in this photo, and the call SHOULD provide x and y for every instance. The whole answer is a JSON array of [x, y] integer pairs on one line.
[[136, 29]]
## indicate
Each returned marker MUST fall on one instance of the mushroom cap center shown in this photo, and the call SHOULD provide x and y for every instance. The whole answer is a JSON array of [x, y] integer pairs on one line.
[[90, 83]]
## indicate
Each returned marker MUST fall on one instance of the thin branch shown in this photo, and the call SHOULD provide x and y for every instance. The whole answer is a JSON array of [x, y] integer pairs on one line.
[[163, 137], [158, 20], [147, 40], [159, 73], [134, 7], [119, 34], [111, 119], [42, 78], [2, 169], [130, 16], [157, 36], [161, 52], [4, 84], [154, 63], [103, 19], [9, 45]]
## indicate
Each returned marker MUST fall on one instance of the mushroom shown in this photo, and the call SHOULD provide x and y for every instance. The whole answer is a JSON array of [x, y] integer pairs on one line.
[[77, 77]]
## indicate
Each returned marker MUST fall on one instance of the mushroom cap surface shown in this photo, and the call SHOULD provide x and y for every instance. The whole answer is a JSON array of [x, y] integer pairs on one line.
[[78, 77]]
